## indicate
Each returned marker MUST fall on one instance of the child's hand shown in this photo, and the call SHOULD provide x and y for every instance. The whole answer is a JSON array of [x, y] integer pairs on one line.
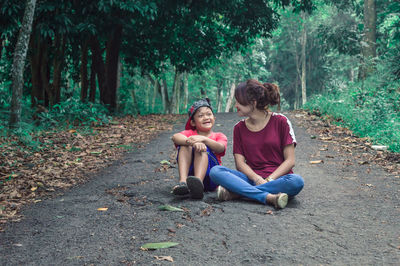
[[195, 139], [199, 147]]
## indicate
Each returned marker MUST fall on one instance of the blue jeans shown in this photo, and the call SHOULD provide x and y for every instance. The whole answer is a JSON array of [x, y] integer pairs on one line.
[[239, 183]]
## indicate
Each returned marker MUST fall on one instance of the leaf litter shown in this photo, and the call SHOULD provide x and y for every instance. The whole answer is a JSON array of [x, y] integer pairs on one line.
[[68, 159], [345, 141]]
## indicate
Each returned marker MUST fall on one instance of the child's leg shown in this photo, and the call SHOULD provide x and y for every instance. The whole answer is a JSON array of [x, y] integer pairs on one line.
[[184, 162], [200, 164]]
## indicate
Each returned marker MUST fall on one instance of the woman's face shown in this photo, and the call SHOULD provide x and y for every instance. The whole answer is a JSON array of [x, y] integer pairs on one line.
[[244, 110]]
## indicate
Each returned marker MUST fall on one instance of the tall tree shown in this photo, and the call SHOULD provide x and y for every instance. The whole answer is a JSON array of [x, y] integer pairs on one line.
[[303, 59], [369, 40], [20, 51]]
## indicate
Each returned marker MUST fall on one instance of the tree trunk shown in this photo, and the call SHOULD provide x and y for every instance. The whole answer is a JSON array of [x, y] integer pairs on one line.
[[84, 72], [155, 91], [230, 98], [45, 72], [135, 108], [175, 101], [37, 92], [92, 86], [99, 67], [303, 60], [17, 72], [220, 99], [296, 104], [1, 47], [57, 69], [112, 59], [369, 40], [185, 90], [164, 96], [219, 96]]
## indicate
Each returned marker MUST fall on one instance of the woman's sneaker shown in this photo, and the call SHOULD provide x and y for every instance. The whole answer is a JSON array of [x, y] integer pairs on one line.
[[223, 194], [281, 200]]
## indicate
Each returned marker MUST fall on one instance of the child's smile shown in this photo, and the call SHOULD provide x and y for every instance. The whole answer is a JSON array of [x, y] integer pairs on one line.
[[204, 119]]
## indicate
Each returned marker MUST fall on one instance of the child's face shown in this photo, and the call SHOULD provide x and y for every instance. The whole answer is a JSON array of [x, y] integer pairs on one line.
[[203, 119]]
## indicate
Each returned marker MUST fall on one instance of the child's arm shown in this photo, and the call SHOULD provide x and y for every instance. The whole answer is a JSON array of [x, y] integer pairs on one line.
[[215, 146], [180, 139]]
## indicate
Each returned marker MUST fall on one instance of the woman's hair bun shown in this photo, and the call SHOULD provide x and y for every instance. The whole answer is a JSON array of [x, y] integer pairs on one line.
[[273, 93]]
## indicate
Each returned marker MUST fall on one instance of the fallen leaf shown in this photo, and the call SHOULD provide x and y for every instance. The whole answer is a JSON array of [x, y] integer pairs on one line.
[[150, 246], [102, 209], [169, 208], [165, 162], [33, 188], [167, 258], [316, 162], [207, 211], [270, 212]]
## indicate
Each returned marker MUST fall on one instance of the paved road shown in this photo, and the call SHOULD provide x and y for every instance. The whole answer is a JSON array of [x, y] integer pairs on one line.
[[347, 214]]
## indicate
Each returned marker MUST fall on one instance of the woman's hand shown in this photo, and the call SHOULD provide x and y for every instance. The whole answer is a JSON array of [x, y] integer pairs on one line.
[[260, 181]]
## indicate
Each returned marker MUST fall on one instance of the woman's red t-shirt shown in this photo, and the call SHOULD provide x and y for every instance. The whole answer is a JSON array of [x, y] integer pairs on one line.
[[263, 150]]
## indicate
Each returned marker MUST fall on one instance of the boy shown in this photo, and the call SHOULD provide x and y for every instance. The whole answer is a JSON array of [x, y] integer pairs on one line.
[[199, 149]]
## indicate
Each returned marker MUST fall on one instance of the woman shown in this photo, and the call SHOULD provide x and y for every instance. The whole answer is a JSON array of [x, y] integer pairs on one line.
[[263, 148]]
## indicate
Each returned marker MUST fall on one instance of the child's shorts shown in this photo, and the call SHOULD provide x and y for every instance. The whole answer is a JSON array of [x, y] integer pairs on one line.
[[209, 185]]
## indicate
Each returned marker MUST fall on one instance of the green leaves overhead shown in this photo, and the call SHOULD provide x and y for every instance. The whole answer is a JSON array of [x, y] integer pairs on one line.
[[193, 35]]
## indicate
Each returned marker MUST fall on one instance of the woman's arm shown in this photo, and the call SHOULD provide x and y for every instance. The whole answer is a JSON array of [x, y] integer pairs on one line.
[[243, 167], [286, 165]]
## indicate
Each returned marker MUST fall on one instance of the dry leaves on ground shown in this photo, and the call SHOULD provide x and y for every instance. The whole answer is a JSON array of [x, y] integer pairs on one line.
[[68, 158], [345, 141]]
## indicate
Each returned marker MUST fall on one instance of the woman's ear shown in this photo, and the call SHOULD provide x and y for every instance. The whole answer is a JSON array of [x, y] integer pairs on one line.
[[192, 123]]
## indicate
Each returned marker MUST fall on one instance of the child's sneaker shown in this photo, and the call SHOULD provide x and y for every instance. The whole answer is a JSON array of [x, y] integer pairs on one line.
[[180, 189], [223, 194]]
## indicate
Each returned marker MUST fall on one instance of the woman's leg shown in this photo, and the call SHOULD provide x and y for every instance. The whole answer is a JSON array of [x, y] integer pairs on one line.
[[237, 182], [290, 184]]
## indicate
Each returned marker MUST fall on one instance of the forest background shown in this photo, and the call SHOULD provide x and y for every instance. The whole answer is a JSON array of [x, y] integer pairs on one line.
[[67, 63]]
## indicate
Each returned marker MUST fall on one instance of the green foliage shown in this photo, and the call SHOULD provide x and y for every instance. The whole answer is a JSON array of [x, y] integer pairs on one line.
[[74, 113], [69, 113], [373, 112]]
